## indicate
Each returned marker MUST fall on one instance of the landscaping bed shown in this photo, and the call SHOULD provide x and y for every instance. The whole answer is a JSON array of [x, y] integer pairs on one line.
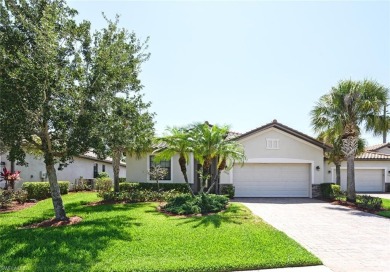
[[137, 237]]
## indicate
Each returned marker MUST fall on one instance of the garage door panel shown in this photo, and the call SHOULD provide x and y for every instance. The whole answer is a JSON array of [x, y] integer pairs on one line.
[[272, 180], [366, 180]]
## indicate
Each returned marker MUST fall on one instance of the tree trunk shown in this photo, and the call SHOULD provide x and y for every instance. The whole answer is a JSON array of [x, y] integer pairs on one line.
[[351, 193], [384, 124], [12, 183], [55, 193], [338, 173], [183, 168], [116, 160]]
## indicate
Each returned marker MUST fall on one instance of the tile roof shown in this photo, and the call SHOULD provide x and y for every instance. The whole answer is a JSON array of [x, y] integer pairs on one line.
[[289, 130], [377, 146], [92, 156], [371, 155]]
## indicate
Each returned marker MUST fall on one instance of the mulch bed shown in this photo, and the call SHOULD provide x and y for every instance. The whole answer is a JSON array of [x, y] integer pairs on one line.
[[351, 205], [15, 206], [54, 223]]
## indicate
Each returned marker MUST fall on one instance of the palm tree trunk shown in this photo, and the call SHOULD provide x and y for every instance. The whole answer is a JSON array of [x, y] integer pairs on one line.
[[351, 193], [384, 124], [183, 168]]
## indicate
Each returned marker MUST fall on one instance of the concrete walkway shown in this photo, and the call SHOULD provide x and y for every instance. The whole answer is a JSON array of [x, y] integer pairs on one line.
[[344, 239]]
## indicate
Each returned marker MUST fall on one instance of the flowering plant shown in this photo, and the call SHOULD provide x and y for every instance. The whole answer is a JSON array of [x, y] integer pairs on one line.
[[9, 177]]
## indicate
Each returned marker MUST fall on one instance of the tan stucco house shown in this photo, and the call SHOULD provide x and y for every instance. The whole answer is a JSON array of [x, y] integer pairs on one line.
[[280, 162]]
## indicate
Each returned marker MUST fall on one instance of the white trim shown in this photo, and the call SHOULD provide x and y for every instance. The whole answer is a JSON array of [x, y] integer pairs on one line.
[[281, 160], [148, 169], [249, 137]]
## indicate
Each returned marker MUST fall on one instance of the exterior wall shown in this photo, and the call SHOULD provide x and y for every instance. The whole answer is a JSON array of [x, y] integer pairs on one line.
[[330, 169], [137, 170], [291, 150], [81, 167]]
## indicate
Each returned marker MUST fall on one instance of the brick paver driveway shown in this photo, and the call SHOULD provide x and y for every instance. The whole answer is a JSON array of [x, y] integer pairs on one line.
[[344, 239]]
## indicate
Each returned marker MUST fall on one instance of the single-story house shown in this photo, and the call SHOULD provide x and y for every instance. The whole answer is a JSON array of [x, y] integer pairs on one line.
[[280, 162], [86, 166]]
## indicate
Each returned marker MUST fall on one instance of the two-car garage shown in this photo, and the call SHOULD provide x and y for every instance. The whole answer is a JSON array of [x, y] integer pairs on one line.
[[272, 180]]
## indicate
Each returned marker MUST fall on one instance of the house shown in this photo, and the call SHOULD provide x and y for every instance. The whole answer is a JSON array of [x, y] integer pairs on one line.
[[87, 166], [372, 170], [281, 162]]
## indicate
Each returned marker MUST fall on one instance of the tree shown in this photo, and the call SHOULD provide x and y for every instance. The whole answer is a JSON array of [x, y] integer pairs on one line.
[[157, 173], [210, 144], [127, 127], [124, 124], [177, 141], [380, 125], [344, 109], [41, 47]]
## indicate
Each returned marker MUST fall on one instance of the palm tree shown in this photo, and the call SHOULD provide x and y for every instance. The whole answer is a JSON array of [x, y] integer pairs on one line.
[[344, 109], [212, 143], [178, 141], [381, 125], [335, 155]]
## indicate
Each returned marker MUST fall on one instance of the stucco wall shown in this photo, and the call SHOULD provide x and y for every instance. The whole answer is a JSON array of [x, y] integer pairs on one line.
[[330, 169], [81, 167], [137, 170], [290, 149]]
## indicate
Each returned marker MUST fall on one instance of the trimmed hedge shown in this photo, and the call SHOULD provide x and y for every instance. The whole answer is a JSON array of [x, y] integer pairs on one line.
[[228, 190], [41, 190], [128, 186]]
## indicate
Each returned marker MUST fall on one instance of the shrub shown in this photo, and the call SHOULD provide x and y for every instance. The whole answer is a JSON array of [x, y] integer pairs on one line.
[[104, 187], [336, 192], [41, 190], [204, 203], [122, 180], [82, 185], [228, 190], [369, 202], [179, 187], [20, 196], [326, 190], [103, 175], [6, 197], [137, 195]]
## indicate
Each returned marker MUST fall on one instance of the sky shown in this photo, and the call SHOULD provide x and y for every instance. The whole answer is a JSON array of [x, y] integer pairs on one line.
[[246, 63]]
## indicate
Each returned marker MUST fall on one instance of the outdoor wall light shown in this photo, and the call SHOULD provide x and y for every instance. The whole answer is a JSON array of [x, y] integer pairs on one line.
[[318, 168], [2, 163], [329, 171]]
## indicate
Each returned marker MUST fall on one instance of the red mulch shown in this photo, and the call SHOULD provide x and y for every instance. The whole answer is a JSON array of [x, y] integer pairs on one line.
[[353, 206], [55, 223], [15, 206]]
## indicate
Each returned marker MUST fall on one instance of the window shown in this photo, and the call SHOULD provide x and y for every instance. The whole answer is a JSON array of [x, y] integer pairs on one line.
[[272, 143], [95, 170], [162, 164], [103, 168]]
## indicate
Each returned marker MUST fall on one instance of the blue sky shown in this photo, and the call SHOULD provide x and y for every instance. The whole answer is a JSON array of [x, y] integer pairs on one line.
[[246, 63]]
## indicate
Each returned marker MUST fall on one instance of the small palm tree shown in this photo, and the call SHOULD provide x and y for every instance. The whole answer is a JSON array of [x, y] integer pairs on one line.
[[178, 141], [344, 109]]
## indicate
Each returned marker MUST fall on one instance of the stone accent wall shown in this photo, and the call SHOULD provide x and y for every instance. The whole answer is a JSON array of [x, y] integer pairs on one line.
[[316, 190], [387, 187]]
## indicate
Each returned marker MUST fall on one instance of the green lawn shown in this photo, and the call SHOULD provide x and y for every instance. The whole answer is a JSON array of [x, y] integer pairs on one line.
[[135, 237], [386, 205]]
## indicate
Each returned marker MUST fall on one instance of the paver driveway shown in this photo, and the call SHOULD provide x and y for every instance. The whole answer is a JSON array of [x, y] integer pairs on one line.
[[344, 239]]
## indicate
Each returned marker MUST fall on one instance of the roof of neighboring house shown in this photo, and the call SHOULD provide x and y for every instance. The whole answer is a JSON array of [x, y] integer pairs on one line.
[[92, 156], [377, 147], [372, 155], [296, 133]]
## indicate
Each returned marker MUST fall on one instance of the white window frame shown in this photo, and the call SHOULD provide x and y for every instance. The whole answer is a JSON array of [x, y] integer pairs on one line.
[[271, 143]]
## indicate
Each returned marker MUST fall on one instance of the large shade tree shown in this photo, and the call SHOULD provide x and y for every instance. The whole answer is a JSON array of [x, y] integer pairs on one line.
[[346, 110]]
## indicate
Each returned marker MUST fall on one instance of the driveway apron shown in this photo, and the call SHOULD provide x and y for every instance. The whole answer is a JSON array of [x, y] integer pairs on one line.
[[344, 239]]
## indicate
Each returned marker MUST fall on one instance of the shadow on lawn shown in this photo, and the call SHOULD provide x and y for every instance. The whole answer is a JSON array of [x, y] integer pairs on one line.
[[71, 248]]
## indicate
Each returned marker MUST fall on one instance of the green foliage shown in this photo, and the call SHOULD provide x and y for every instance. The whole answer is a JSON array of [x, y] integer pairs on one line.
[[145, 238], [41, 190], [20, 196], [82, 185], [203, 203], [326, 190], [128, 186], [139, 195], [369, 202], [103, 186], [228, 190], [103, 175], [336, 192], [6, 197]]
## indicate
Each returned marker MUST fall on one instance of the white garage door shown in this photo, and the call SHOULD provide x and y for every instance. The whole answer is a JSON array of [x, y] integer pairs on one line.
[[272, 180], [366, 180]]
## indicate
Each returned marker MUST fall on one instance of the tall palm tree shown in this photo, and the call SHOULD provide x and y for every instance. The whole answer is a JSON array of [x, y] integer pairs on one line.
[[178, 141], [345, 108], [212, 144], [381, 125]]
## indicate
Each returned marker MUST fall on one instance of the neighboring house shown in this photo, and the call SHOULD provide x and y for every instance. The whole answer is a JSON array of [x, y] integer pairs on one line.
[[372, 170], [86, 166]]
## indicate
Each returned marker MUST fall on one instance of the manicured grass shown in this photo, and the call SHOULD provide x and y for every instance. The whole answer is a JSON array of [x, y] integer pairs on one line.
[[386, 205], [135, 237]]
